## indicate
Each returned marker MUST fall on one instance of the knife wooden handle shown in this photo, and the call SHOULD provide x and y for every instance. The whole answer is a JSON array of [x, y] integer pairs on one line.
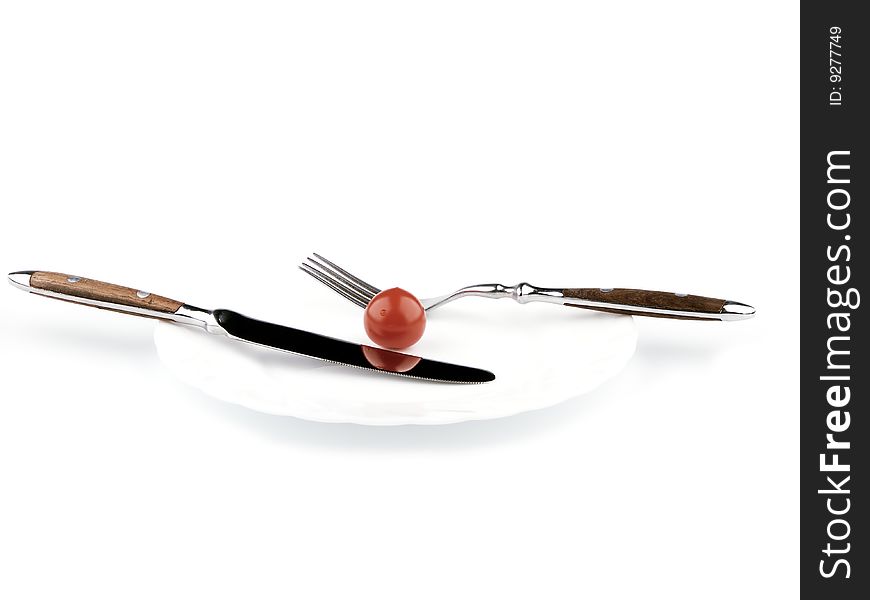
[[102, 295], [653, 304]]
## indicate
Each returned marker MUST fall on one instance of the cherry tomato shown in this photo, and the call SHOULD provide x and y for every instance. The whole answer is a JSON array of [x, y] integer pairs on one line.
[[395, 319]]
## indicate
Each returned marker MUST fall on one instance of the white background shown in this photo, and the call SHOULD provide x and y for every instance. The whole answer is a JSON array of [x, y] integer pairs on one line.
[[200, 149]]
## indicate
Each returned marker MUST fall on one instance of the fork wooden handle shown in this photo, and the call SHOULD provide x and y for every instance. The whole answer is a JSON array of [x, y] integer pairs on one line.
[[649, 303]]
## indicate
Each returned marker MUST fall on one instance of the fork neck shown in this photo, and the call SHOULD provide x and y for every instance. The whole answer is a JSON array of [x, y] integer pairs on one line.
[[526, 292], [522, 293]]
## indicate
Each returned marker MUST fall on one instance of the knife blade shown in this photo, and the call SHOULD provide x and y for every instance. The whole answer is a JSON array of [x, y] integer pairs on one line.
[[98, 294]]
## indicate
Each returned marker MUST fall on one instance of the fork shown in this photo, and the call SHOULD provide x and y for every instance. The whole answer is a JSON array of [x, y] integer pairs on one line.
[[613, 300]]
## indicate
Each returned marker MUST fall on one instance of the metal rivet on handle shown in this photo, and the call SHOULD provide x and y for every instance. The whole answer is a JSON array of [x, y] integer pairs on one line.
[[605, 290], [680, 295], [73, 279], [143, 295]]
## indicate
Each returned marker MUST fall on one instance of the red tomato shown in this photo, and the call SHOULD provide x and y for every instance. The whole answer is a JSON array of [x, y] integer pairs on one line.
[[395, 319]]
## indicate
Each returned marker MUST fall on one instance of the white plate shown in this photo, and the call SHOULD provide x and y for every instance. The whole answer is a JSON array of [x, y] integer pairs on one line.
[[540, 354]]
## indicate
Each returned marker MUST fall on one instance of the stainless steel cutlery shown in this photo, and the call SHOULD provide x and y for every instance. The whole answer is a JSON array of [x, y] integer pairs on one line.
[[644, 303], [239, 327]]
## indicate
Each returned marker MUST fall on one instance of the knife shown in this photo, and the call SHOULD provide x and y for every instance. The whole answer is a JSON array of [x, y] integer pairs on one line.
[[236, 326]]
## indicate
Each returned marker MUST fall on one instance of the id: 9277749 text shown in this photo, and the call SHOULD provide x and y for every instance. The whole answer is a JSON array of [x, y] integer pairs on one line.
[[835, 67]]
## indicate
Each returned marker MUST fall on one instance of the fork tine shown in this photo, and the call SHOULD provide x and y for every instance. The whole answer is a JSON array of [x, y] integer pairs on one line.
[[367, 286], [338, 278], [351, 295]]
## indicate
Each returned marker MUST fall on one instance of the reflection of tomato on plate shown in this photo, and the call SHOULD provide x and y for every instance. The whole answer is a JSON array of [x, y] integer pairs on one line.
[[390, 361], [395, 319]]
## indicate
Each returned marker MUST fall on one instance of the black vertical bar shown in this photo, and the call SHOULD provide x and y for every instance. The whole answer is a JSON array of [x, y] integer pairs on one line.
[[834, 369]]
